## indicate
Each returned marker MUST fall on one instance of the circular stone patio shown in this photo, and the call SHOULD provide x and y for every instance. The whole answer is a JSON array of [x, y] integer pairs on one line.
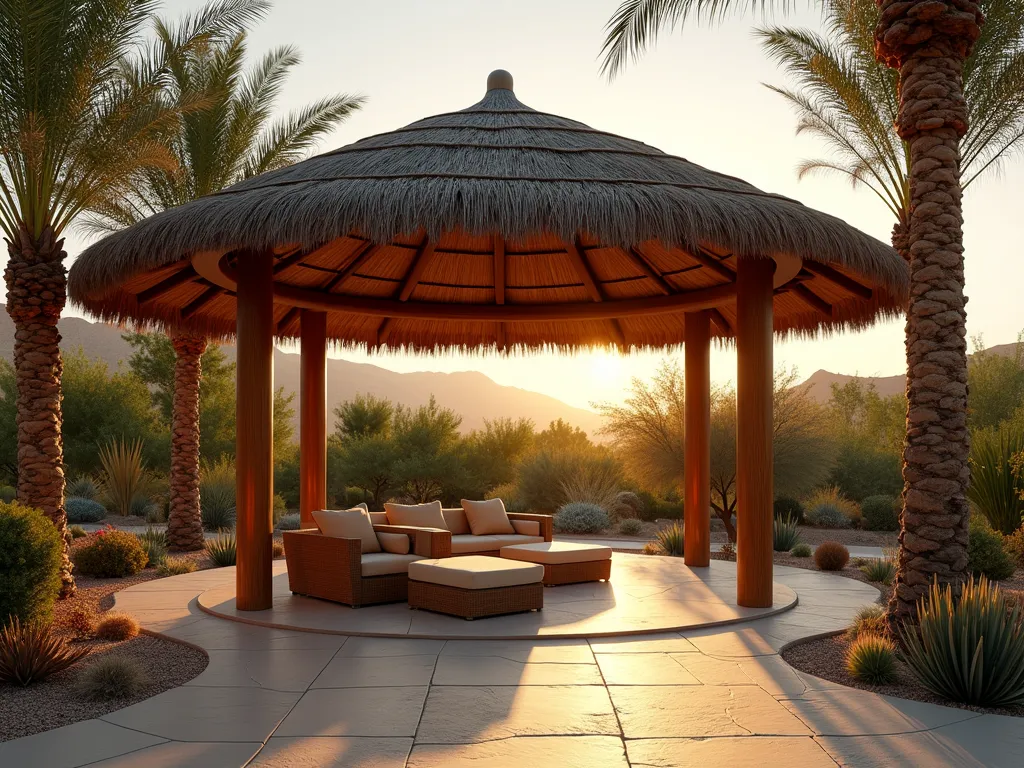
[[645, 594]]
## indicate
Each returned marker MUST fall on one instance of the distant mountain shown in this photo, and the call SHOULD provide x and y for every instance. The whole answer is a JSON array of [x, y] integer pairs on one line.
[[820, 382], [469, 393]]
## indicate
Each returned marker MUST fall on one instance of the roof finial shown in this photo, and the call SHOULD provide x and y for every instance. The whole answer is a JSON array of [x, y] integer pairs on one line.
[[499, 78]]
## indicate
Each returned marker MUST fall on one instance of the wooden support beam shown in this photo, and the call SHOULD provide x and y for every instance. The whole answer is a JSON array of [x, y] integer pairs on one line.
[[254, 432], [848, 283], [641, 262], [719, 319], [712, 262], [593, 285], [312, 416], [201, 301], [416, 268], [813, 299], [180, 277], [754, 457], [697, 432]]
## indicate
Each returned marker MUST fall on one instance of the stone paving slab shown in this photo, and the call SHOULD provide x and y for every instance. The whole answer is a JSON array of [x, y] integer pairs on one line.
[[735, 752], [180, 754], [77, 744], [379, 712], [272, 669], [536, 752], [377, 672], [494, 670], [333, 752]]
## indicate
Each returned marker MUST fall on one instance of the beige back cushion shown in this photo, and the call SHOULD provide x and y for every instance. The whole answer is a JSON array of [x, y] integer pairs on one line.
[[487, 517], [395, 543], [379, 518], [455, 519], [348, 524], [526, 527], [418, 515]]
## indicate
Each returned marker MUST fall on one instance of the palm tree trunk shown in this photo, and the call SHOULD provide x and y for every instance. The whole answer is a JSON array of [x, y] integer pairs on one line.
[[36, 292], [185, 522], [928, 41]]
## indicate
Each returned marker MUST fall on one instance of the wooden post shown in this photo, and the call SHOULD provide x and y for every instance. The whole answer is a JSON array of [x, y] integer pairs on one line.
[[754, 461], [312, 416], [254, 430], [697, 416]]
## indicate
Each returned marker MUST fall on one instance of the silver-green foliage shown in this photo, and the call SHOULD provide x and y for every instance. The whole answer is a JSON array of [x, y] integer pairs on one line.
[[581, 517], [827, 515], [785, 534], [111, 677], [222, 550], [671, 539], [970, 649], [995, 490], [630, 527]]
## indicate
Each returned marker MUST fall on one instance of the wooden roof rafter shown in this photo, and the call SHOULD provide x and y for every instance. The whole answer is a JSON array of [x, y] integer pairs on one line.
[[593, 286], [412, 278], [184, 275], [500, 282]]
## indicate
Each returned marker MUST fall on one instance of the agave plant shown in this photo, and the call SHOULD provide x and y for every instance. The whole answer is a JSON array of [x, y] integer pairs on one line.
[[670, 539], [969, 650], [124, 474], [995, 489], [30, 652], [222, 550], [785, 534]]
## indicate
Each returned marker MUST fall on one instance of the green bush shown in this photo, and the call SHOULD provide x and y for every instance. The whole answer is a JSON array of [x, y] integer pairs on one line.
[[84, 487], [629, 504], [1015, 546], [630, 527], [222, 550], [7, 494], [986, 553], [831, 556], [77, 531], [111, 554], [872, 658], [863, 470], [801, 550], [217, 495], [969, 650], [880, 513], [507, 492], [580, 517], [155, 543], [994, 490], [289, 522], [671, 540], [785, 534], [111, 677], [828, 508], [82, 510], [785, 506], [880, 570], [280, 508], [30, 560]]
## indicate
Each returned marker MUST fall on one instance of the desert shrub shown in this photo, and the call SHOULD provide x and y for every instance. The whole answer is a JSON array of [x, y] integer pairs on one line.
[[869, 620], [828, 508], [176, 566], [277, 549], [289, 522], [111, 554], [994, 490], [541, 478], [30, 652], [653, 548], [785, 506], [7, 494], [111, 677], [30, 559], [629, 504], [124, 474], [580, 517], [222, 550], [630, 527], [831, 556], [801, 550], [728, 548], [217, 495], [155, 543], [655, 508], [156, 513], [117, 627], [509, 494], [596, 483], [1014, 544], [785, 534], [280, 508], [670, 540], [77, 531], [880, 513], [881, 570], [986, 555], [84, 510], [81, 622], [84, 487], [872, 658], [969, 650]]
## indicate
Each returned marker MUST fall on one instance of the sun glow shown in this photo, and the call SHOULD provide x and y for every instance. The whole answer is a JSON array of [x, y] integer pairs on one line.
[[607, 367]]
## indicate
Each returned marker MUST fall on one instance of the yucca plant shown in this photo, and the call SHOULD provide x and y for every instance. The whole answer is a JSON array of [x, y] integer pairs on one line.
[[995, 490], [124, 474], [155, 542], [222, 550], [970, 649], [30, 652], [785, 534], [217, 495], [881, 570], [670, 539]]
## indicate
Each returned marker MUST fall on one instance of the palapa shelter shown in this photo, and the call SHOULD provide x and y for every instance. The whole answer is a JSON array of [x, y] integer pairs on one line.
[[496, 227]]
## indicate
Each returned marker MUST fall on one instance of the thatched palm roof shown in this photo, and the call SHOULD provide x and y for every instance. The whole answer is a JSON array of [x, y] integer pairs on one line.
[[494, 225]]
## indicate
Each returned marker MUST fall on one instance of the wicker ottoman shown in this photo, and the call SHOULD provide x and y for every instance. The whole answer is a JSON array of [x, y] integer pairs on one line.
[[564, 562], [475, 586]]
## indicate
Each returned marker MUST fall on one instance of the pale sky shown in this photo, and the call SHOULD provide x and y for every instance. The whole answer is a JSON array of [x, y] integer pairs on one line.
[[697, 95]]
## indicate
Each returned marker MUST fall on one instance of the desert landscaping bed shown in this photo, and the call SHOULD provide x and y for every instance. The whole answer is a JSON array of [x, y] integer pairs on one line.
[[850, 537]]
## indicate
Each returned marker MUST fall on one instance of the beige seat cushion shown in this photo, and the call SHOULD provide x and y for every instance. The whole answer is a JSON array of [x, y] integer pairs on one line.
[[383, 563], [395, 543], [476, 572], [455, 519], [557, 552], [526, 527], [487, 517], [417, 515], [513, 539], [348, 524], [467, 542]]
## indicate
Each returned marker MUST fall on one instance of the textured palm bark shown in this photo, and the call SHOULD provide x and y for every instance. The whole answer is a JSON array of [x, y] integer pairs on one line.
[[928, 41], [185, 522], [36, 292]]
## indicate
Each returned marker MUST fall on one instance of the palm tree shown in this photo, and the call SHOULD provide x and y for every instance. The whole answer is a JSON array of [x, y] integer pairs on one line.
[[846, 98], [81, 104], [928, 42], [230, 138]]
